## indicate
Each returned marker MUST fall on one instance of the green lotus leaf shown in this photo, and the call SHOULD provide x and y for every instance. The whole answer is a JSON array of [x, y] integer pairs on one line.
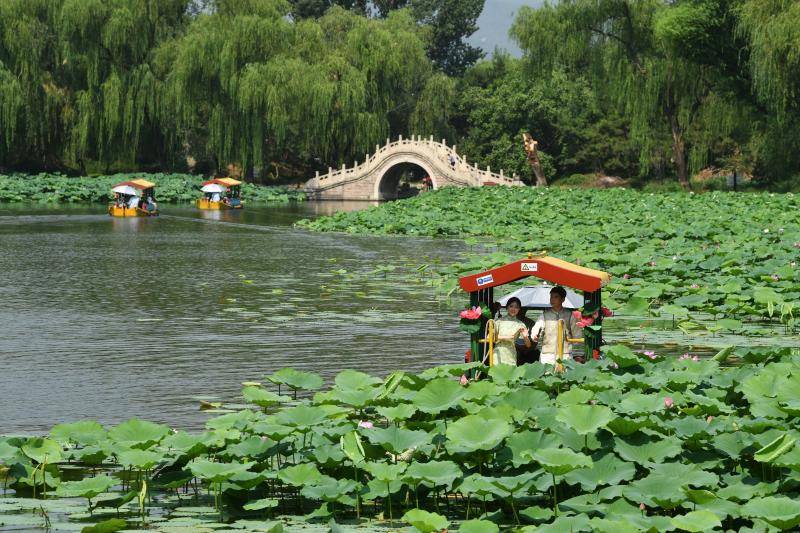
[[575, 395], [433, 473], [438, 395], [350, 444], [300, 475], [261, 397], [331, 490], [238, 420], [217, 472], [697, 521], [42, 450], [507, 486], [528, 440], [426, 522], [186, 443], [626, 425], [139, 459], [473, 432], [138, 433], [685, 475], [775, 449], [250, 447], [398, 412], [352, 379], [699, 496], [385, 472], [264, 503], [636, 403], [303, 417], [398, 440], [84, 432], [779, 511], [607, 470], [622, 356], [559, 461], [86, 488], [636, 306], [585, 419], [357, 398], [643, 449], [655, 491], [478, 526], [297, 379]]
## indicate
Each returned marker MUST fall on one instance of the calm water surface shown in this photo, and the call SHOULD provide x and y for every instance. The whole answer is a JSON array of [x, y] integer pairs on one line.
[[112, 318]]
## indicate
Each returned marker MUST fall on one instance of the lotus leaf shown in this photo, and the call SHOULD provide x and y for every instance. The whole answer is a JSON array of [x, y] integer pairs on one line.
[[84, 432], [261, 397], [42, 450], [424, 521], [398, 440], [438, 395], [217, 472], [433, 473], [607, 470], [622, 356], [775, 449], [302, 417], [585, 419], [397, 412], [697, 521], [352, 379], [297, 379], [138, 433], [350, 444], [139, 459], [558, 461], [778, 511], [473, 432], [86, 488], [257, 505], [300, 475], [642, 449]]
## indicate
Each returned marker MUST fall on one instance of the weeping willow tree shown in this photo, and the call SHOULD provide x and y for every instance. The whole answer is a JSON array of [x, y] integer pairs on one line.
[[647, 57], [248, 84]]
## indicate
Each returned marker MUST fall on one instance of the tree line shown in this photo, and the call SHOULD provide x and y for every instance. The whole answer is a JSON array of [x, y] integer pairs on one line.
[[642, 89]]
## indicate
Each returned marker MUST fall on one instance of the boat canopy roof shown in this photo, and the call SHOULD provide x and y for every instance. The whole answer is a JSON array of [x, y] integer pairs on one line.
[[227, 182], [140, 184], [550, 269]]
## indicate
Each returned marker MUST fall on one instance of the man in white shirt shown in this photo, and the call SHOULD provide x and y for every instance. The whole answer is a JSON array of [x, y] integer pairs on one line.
[[215, 197], [133, 202], [546, 328]]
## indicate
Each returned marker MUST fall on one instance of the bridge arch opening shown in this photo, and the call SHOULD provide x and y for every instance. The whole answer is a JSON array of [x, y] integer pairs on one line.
[[403, 180]]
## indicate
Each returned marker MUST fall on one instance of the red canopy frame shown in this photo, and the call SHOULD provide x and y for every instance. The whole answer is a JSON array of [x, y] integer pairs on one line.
[[552, 269]]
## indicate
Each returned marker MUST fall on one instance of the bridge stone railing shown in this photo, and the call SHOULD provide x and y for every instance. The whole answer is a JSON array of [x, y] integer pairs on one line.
[[359, 182]]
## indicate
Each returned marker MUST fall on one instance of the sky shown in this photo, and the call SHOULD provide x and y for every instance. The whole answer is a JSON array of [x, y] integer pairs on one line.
[[494, 23]]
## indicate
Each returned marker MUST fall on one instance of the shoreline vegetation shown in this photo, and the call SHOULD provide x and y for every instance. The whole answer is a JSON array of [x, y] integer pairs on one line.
[[170, 188], [631, 443]]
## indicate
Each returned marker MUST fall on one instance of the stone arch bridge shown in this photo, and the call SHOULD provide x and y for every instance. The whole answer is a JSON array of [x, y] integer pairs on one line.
[[377, 177]]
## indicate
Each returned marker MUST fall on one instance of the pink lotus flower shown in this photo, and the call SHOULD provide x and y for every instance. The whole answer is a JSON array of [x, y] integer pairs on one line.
[[588, 321], [642, 507], [650, 354], [685, 356], [471, 314], [606, 312], [576, 315], [626, 276], [709, 419], [775, 277], [668, 403], [365, 424], [695, 358], [463, 380], [695, 286]]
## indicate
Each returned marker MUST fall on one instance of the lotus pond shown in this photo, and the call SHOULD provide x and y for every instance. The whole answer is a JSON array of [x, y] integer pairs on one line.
[[57, 188], [712, 263], [634, 442]]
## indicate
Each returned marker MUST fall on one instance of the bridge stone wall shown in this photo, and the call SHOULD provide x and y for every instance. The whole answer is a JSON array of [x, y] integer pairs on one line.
[[363, 180]]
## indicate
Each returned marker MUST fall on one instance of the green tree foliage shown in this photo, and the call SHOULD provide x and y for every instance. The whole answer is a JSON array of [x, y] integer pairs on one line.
[[138, 82], [500, 101]]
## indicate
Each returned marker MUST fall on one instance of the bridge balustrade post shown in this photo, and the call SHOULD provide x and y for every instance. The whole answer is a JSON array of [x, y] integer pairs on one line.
[[444, 142], [399, 138], [431, 139]]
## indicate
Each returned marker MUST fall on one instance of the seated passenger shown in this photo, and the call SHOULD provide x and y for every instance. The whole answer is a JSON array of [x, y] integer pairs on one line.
[[545, 331], [215, 197], [133, 202], [509, 329]]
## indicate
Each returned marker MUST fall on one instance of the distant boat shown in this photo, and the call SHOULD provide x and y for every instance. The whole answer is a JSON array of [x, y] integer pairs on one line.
[[134, 198], [221, 193]]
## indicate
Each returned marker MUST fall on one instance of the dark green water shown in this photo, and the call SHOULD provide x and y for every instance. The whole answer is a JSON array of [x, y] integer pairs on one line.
[[113, 318]]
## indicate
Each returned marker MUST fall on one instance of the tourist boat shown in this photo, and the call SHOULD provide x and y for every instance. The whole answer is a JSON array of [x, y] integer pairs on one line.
[[134, 198], [481, 287], [227, 190]]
